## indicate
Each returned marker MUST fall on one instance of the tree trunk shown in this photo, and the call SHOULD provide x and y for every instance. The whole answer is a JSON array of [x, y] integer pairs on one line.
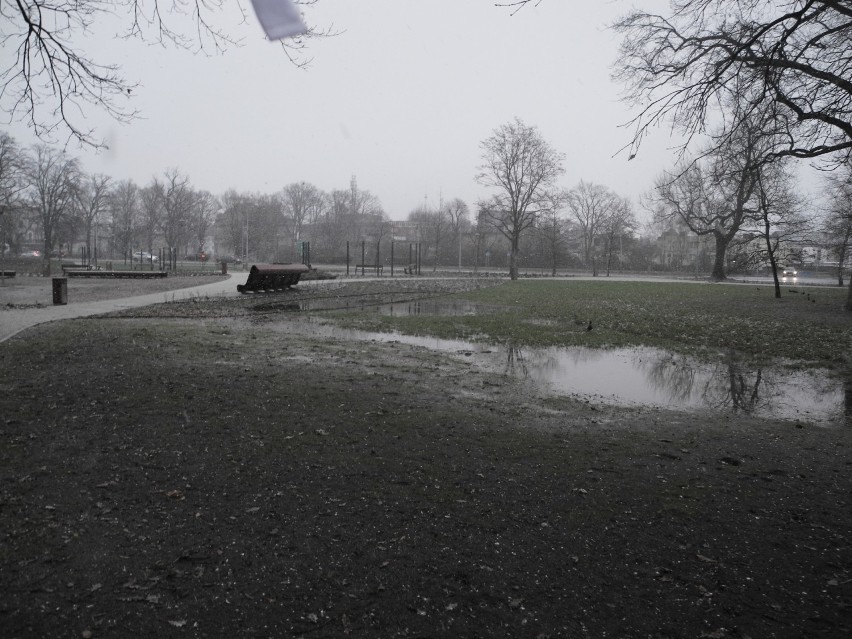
[[513, 259], [849, 297], [718, 273], [770, 251], [775, 275], [609, 259]]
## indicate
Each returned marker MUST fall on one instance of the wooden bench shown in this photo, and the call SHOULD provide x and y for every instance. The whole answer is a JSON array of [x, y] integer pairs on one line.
[[272, 277], [8, 273], [66, 266], [139, 275], [377, 267]]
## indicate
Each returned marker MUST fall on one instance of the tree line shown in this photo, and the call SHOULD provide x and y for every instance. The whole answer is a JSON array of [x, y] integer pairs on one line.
[[750, 84], [529, 221], [45, 194]]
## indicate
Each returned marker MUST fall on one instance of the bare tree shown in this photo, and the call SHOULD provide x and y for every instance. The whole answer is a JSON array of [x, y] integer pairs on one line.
[[264, 228], [92, 200], [523, 168], [232, 221], [793, 56], [483, 236], [336, 224], [52, 179], [302, 202], [717, 196], [204, 210], [553, 230], [779, 212], [837, 222], [48, 81], [457, 212], [178, 202], [363, 214], [433, 226], [124, 206], [151, 198], [591, 205], [618, 224], [11, 185]]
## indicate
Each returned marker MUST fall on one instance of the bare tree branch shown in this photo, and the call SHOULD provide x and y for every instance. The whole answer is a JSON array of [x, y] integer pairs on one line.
[[794, 58], [522, 167], [48, 81]]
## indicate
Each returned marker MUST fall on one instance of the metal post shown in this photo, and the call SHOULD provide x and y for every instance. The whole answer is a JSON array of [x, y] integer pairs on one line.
[[378, 257], [347, 258], [363, 257], [60, 290]]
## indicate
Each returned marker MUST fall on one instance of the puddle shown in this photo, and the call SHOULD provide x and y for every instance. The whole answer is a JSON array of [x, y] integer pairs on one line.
[[642, 376], [453, 308]]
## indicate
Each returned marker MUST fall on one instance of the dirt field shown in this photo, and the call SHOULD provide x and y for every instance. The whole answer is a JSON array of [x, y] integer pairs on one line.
[[206, 475]]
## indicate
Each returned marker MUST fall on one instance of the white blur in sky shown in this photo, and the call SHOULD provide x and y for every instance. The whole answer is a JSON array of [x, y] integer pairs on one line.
[[402, 98]]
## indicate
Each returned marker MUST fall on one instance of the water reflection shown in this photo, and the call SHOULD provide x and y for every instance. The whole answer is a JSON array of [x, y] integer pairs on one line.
[[734, 386], [644, 376], [728, 385], [442, 307], [515, 364], [672, 375], [653, 377]]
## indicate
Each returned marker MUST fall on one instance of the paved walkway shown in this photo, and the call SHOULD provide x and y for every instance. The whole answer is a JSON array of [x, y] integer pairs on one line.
[[14, 321]]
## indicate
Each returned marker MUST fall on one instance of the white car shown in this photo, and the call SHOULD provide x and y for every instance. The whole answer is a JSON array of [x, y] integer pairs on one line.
[[789, 274]]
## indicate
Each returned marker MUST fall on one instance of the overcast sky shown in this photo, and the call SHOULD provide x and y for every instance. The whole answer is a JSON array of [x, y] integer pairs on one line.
[[401, 98]]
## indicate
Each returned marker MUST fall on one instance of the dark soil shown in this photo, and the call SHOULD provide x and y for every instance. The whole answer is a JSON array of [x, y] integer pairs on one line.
[[200, 476]]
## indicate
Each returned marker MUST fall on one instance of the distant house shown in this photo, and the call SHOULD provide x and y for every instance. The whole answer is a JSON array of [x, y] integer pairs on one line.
[[683, 250]]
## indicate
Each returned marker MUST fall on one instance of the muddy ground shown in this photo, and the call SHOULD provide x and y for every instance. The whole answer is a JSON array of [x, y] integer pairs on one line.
[[194, 470]]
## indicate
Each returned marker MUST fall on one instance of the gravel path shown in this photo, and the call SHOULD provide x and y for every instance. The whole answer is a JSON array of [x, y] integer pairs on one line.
[[24, 302]]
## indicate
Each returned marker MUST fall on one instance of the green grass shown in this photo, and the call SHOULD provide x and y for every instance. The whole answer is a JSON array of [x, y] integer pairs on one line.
[[809, 329]]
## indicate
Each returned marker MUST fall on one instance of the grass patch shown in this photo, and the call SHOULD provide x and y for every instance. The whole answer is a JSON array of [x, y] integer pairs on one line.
[[808, 328]]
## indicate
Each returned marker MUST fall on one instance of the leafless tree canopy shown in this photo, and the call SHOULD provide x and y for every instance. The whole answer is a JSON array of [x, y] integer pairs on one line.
[[791, 58], [522, 168], [53, 178], [837, 221], [48, 80], [716, 197]]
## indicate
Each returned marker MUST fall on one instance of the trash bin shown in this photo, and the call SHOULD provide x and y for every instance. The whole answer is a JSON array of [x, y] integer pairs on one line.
[[60, 290], [224, 268]]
